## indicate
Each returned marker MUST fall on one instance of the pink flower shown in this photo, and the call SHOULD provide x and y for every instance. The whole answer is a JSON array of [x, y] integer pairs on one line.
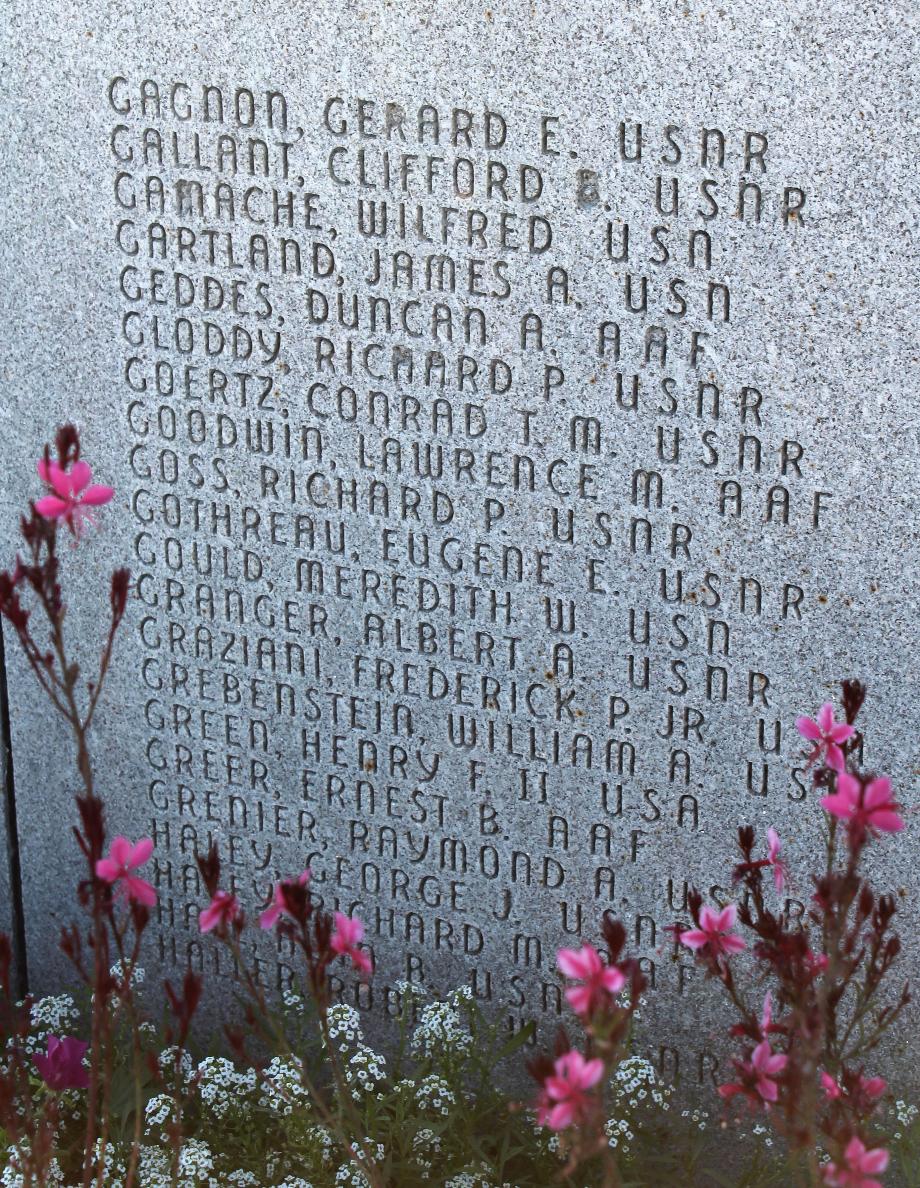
[[223, 910], [565, 1099], [758, 1075], [858, 1167], [767, 1025], [868, 807], [123, 859], [600, 980], [714, 932], [780, 870], [63, 1067], [73, 494], [873, 1086], [269, 918], [349, 932], [866, 1090], [827, 735]]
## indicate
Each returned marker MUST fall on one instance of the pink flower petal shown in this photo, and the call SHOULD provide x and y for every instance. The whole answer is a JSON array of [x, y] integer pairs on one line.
[[768, 1089], [733, 944], [561, 1116], [140, 890], [140, 852], [579, 999], [726, 918], [51, 507], [878, 792], [80, 476], [835, 759], [107, 870], [809, 728], [887, 822], [59, 480], [841, 732], [693, 938], [120, 851], [613, 980], [837, 805], [875, 1160], [854, 1150], [361, 961], [826, 717], [209, 919], [590, 1073], [849, 786], [97, 495], [572, 963]]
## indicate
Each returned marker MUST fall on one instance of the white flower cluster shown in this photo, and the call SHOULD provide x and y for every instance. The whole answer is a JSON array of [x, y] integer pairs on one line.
[[344, 1025], [441, 1028], [474, 1180], [153, 1167], [409, 990], [158, 1111], [434, 1093], [364, 1071], [351, 1176], [222, 1088], [113, 1172], [906, 1115], [763, 1133], [426, 1140], [195, 1163], [425, 1146], [166, 1061], [14, 1176], [243, 1179], [636, 1080], [323, 1140], [138, 974], [281, 1086], [698, 1117], [618, 1133], [54, 1015]]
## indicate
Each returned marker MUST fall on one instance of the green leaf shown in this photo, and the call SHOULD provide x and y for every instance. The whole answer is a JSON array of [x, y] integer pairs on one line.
[[517, 1041]]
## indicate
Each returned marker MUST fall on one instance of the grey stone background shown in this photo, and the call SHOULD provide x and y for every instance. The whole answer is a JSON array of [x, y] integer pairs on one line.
[[823, 320]]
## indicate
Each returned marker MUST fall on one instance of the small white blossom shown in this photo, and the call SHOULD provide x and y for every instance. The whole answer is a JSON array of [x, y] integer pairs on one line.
[[224, 1090], [159, 1111], [55, 1014], [138, 974], [441, 1030], [282, 1087], [167, 1064], [195, 1162], [434, 1093]]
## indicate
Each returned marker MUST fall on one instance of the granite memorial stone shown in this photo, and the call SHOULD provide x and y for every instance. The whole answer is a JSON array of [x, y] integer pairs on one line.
[[512, 412]]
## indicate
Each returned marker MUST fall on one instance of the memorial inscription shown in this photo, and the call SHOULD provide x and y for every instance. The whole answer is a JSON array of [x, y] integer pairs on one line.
[[485, 494], [391, 458]]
